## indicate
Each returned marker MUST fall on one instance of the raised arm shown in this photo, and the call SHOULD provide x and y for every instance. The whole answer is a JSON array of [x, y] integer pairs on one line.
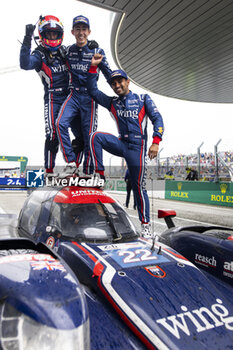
[[104, 66], [92, 88], [27, 60]]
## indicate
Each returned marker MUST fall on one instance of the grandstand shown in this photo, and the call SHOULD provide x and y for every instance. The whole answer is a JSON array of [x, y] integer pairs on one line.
[[211, 166]]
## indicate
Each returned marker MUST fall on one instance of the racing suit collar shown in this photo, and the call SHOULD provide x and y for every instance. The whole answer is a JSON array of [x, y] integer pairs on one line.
[[82, 47], [122, 98]]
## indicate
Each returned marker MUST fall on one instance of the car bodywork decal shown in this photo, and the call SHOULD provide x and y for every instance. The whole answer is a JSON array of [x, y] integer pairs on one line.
[[143, 332], [155, 271], [50, 241], [37, 261], [82, 195]]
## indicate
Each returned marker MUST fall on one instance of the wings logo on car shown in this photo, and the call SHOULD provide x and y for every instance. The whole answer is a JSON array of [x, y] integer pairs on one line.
[[202, 319]]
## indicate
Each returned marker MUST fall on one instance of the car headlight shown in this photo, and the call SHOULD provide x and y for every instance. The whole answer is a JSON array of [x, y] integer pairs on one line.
[[20, 332]]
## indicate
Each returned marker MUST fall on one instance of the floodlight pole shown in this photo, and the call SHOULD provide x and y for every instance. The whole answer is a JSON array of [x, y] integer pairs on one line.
[[167, 164], [158, 160], [216, 160], [199, 159], [110, 166]]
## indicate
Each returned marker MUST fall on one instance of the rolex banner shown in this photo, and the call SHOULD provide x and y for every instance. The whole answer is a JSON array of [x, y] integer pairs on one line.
[[214, 193]]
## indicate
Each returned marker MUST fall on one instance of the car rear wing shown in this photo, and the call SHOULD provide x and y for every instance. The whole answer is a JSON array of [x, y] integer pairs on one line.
[[167, 215]]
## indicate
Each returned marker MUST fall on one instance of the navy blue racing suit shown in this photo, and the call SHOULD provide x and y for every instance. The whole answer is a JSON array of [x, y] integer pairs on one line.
[[53, 72], [130, 113], [79, 102]]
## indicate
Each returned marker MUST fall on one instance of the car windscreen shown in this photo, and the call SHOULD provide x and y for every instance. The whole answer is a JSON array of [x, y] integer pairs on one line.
[[92, 222]]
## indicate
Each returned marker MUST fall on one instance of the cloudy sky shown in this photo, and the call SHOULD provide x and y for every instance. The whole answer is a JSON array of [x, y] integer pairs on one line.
[[187, 124]]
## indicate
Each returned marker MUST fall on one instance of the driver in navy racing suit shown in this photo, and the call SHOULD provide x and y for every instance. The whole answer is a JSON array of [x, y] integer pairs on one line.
[[130, 112], [48, 59], [79, 105]]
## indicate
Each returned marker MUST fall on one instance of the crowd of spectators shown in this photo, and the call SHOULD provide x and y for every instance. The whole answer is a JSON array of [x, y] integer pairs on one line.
[[177, 167], [181, 162], [9, 172]]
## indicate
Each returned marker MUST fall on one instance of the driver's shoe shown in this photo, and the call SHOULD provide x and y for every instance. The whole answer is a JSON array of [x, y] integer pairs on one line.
[[69, 170], [146, 230], [99, 180]]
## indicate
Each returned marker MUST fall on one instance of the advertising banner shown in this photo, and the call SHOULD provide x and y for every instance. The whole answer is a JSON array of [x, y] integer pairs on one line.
[[12, 181], [214, 193]]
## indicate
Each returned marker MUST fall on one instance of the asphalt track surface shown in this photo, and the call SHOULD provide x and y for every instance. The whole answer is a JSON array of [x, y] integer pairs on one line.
[[187, 213]]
